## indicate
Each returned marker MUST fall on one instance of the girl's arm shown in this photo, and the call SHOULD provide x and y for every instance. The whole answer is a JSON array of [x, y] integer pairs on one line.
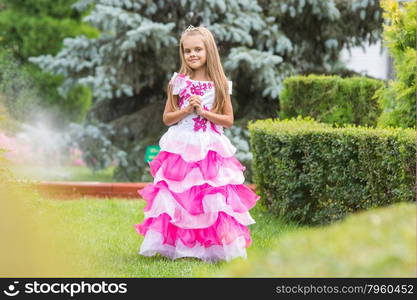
[[172, 117], [225, 119]]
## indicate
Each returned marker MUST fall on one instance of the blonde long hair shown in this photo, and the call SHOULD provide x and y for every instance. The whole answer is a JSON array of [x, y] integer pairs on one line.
[[214, 69]]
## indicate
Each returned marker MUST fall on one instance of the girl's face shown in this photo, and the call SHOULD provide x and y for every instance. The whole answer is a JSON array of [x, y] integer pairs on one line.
[[194, 52]]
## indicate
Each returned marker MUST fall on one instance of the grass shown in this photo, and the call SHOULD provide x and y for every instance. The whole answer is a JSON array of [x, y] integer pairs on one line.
[[103, 243], [65, 173]]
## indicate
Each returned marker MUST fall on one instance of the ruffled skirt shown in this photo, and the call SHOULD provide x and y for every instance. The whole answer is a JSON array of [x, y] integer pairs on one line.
[[197, 205]]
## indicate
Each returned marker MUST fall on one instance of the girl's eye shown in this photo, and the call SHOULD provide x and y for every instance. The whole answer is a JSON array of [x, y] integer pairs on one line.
[[189, 51]]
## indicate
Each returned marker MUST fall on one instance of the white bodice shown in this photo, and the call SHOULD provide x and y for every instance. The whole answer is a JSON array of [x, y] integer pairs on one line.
[[184, 87], [194, 136]]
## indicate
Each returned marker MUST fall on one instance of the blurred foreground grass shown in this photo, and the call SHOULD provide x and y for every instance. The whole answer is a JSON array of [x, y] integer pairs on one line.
[[376, 243], [29, 247]]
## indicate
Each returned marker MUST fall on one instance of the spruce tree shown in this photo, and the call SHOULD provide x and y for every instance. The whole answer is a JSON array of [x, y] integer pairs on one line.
[[261, 42]]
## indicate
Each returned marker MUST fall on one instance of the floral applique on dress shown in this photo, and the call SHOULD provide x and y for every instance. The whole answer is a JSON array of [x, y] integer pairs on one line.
[[201, 123]]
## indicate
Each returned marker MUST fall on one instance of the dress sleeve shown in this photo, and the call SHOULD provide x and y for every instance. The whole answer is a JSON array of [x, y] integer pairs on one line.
[[230, 83], [178, 83]]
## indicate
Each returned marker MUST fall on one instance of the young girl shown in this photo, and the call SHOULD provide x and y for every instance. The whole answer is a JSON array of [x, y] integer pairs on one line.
[[197, 205]]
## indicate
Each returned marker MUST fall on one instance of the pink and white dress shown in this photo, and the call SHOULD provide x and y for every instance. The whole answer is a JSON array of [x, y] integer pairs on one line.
[[198, 205]]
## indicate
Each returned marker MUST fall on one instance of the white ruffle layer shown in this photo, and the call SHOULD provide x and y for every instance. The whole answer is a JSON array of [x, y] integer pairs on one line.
[[164, 202], [152, 244], [194, 145]]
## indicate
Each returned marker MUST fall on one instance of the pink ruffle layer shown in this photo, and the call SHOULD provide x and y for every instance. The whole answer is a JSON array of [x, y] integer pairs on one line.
[[223, 232], [212, 204], [196, 177], [239, 197], [153, 244], [174, 167]]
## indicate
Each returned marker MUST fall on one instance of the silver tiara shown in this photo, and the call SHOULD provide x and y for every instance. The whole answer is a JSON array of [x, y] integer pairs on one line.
[[190, 28]]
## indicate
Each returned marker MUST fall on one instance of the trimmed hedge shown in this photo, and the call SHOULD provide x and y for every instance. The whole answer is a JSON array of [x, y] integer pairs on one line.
[[331, 99], [311, 173]]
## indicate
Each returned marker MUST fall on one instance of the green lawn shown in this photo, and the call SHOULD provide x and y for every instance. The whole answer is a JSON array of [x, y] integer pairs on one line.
[[67, 173], [103, 243]]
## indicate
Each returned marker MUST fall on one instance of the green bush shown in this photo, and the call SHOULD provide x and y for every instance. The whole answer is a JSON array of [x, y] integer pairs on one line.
[[32, 28], [7, 124], [25, 88], [5, 174], [38, 33], [399, 99], [311, 173], [331, 99]]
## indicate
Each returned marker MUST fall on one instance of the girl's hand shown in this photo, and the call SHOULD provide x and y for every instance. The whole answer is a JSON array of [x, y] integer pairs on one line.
[[189, 109], [195, 102], [191, 103]]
